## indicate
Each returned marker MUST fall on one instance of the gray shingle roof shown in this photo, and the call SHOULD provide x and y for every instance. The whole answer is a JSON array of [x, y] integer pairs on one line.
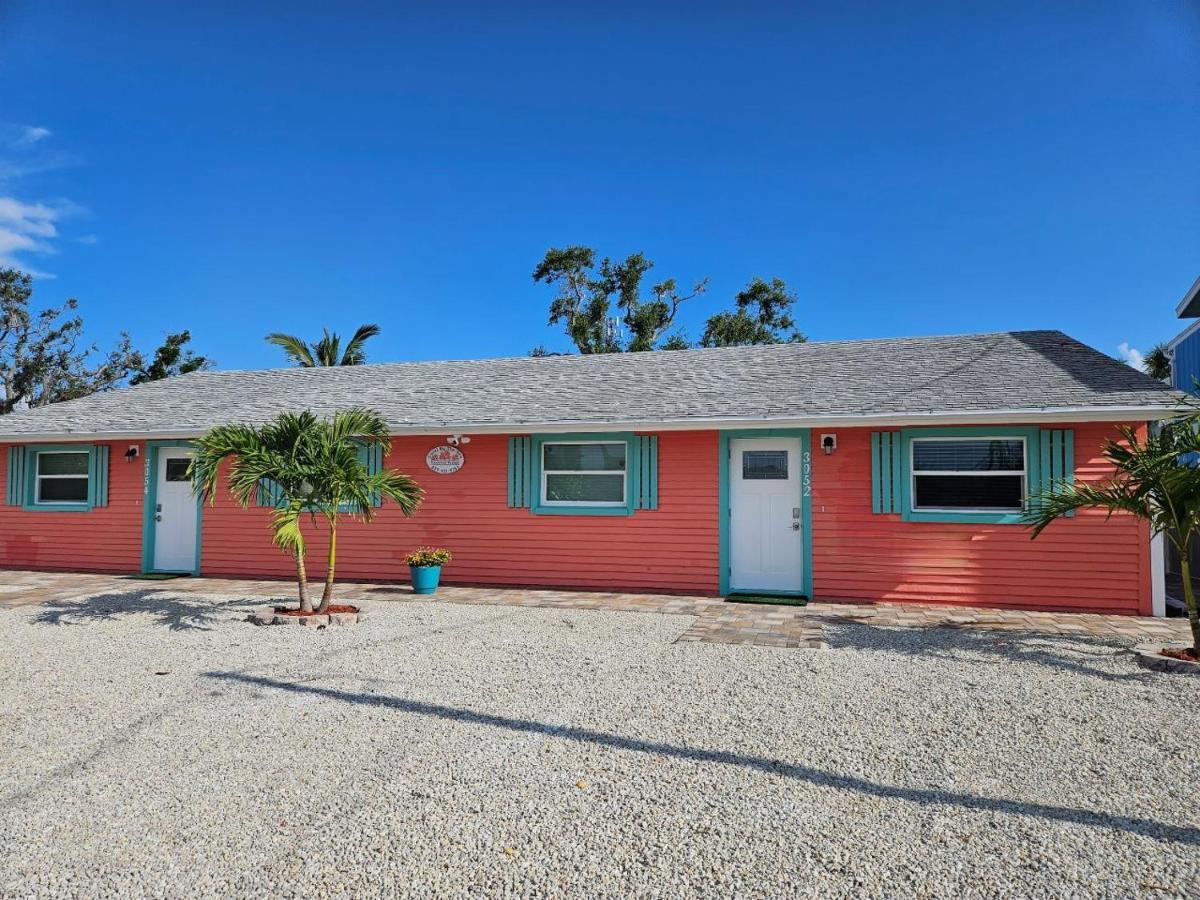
[[876, 379]]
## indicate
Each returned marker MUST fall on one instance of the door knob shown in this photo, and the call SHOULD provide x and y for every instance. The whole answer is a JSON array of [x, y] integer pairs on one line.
[[795, 526], [158, 518]]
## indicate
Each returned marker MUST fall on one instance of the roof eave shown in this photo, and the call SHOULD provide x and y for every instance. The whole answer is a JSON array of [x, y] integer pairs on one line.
[[856, 420], [1189, 306]]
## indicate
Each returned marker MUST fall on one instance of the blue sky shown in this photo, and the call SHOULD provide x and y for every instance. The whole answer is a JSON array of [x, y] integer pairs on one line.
[[238, 168]]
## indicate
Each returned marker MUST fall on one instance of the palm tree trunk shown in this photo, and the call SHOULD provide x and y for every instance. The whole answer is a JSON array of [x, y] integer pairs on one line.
[[1189, 594], [327, 596], [302, 582]]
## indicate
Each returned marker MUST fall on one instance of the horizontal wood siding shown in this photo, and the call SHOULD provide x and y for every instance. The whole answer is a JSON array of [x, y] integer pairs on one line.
[[1083, 563], [105, 539], [672, 548]]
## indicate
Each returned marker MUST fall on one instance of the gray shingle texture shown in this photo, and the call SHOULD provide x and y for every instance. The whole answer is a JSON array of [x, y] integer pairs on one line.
[[1028, 370]]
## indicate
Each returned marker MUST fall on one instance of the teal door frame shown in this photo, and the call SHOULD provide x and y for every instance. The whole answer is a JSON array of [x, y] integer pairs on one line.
[[805, 502], [150, 498]]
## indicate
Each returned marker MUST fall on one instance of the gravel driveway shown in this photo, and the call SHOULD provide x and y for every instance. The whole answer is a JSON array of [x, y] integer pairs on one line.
[[158, 745]]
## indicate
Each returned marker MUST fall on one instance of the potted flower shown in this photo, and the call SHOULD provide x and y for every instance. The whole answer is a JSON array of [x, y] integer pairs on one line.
[[425, 566]]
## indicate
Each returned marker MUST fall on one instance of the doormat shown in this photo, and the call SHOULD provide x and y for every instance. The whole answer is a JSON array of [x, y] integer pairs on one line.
[[157, 576], [765, 598]]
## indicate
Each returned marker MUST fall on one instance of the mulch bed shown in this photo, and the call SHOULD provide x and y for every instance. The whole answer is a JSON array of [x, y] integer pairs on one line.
[[1187, 654], [333, 608]]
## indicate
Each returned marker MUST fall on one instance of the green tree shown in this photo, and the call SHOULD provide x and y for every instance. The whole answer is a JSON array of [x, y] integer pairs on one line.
[[328, 350], [173, 357], [316, 468], [1158, 362], [45, 359], [587, 293], [1154, 481], [761, 315]]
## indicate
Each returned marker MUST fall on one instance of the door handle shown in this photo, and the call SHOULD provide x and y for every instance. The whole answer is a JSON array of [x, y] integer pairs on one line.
[[795, 526], [158, 518]]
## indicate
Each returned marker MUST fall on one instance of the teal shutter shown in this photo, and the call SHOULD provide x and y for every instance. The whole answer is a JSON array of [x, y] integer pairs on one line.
[[371, 456], [15, 482], [1056, 458], [645, 460], [99, 475], [886, 472], [269, 493], [520, 472]]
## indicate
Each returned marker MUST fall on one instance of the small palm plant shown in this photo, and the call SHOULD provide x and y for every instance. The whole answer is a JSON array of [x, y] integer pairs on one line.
[[1156, 479], [315, 468], [328, 350]]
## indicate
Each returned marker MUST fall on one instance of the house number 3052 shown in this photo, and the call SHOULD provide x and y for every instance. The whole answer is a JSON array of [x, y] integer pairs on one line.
[[806, 473]]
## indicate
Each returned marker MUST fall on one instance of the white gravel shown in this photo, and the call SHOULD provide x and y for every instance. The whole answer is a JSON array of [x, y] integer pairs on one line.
[[465, 750]]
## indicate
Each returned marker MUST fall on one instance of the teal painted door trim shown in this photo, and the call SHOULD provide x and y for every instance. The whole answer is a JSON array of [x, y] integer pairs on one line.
[[32, 451], [150, 500], [805, 436], [1033, 471], [632, 475]]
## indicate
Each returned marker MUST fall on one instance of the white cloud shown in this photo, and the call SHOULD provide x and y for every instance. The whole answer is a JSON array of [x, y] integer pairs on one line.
[[28, 227], [1132, 355]]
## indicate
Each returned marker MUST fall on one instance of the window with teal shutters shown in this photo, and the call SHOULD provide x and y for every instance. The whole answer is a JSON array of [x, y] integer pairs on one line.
[[886, 472], [525, 474], [87, 478]]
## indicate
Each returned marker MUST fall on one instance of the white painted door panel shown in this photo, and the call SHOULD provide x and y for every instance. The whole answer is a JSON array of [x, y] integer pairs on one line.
[[766, 544], [175, 514]]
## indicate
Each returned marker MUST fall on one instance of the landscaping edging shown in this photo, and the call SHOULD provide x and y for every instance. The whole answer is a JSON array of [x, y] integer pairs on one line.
[[268, 616], [1149, 657]]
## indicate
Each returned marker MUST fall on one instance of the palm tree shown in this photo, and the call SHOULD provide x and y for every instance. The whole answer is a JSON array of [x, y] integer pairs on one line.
[[328, 350], [1158, 362], [312, 466], [1154, 481]]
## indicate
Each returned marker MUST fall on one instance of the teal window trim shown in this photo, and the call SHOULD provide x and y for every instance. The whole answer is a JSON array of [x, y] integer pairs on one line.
[[150, 500], [724, 450], [1033, 473], [371, 457], [29, 495], [632, 474]]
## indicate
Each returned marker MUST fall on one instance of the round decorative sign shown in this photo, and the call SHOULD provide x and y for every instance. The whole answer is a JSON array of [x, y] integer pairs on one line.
[[445, 459]]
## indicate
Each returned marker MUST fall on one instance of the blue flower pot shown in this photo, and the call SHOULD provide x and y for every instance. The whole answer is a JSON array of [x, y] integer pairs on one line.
[[425, 578]]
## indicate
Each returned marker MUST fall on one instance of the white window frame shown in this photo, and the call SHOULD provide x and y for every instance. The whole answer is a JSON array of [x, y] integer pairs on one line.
[[38, 477], [624, 473], [913, 474]]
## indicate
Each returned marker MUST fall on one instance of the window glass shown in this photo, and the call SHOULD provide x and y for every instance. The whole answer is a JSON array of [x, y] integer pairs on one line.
[[62, 463], [968, 474], [177, 470], [583, 473], [583, 457], [969, 456], [61, 478], [581, 488], [763, 465]]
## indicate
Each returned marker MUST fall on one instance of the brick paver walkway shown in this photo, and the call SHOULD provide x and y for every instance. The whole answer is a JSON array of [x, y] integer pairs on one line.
[[717, 621]]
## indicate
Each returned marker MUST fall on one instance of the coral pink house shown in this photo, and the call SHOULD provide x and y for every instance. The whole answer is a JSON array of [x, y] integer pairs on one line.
[[891, 470]]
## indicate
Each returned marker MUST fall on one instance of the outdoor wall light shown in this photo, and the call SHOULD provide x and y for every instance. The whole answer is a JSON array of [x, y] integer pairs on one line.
[[828, 443], [132, 453], [455, 439]]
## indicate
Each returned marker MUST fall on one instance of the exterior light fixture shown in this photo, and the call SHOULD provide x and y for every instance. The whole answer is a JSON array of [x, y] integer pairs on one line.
[[132, 453], [828, 444]]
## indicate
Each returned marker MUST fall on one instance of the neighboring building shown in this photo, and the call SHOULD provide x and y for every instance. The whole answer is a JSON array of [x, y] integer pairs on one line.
[[1185, 375], [1185, 347], [879, 470]]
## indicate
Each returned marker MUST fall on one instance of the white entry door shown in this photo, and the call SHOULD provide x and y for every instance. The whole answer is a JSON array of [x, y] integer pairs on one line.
[[174, 514], [766, 545]]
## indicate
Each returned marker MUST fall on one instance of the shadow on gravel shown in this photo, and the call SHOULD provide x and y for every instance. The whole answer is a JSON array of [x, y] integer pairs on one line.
[[177, 612], [1075, 654], [1144, 827]]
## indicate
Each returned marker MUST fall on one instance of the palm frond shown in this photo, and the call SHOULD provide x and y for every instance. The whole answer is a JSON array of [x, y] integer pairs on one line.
[[355, 355], [293, 347]]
